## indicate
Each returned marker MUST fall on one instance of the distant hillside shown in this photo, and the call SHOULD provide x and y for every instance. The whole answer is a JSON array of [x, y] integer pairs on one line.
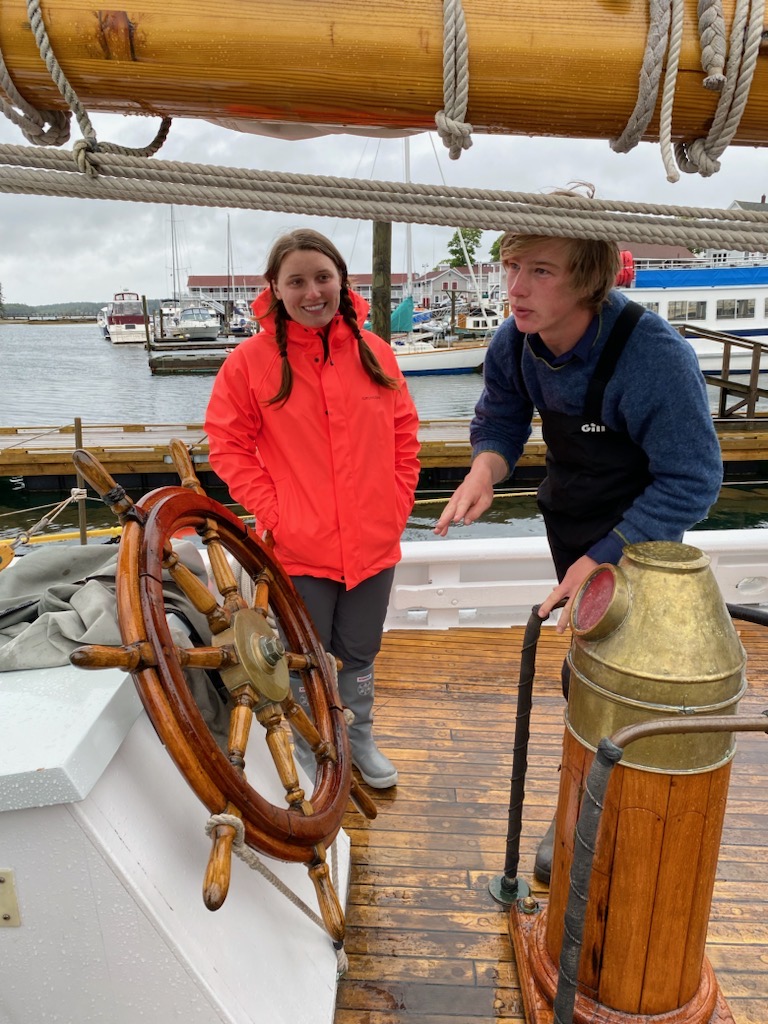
[[63, 309]]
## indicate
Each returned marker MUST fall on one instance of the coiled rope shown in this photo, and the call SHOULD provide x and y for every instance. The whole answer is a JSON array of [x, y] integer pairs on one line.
[[33, 122], [732, 80], [451, 126]]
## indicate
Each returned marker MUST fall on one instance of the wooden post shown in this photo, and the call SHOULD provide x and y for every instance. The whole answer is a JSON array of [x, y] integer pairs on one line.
[[146, 320], [381, 281], [81, 513]]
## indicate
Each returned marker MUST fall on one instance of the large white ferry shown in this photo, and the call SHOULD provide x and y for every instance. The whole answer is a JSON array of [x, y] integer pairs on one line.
[[721, 293]]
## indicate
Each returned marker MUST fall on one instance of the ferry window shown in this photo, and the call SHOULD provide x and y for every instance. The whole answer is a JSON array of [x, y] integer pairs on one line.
[[735, 309], [652, 306], [687, 311]]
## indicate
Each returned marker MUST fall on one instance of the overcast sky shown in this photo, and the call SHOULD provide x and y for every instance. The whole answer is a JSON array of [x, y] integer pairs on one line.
[[60, 250]]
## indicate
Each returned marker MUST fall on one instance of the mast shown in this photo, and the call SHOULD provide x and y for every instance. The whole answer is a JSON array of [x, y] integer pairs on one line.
[[408, 227], [175, 284], [229, 264]]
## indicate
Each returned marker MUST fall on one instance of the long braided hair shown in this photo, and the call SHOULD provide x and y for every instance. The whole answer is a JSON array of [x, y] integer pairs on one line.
[[307, 239]]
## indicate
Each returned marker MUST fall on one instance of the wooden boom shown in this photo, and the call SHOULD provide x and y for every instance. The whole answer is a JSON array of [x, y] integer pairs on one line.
[[535, 68]]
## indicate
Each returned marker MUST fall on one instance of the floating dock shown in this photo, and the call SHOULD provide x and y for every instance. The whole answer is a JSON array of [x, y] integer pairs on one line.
[[42, 456]]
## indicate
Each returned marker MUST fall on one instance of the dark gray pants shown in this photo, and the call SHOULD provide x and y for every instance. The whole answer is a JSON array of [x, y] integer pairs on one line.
[[349, 623]]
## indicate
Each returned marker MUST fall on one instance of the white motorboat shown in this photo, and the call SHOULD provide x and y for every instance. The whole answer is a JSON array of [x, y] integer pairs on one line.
[[125, 320], [417, 356], [102, 322], [475, 321], [195, 323]]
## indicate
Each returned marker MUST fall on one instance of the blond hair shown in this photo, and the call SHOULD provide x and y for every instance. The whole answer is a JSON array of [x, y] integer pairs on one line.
[[592, 263]]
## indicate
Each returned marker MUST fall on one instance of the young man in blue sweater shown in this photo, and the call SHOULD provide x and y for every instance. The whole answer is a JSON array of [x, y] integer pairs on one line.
[[632, 453]]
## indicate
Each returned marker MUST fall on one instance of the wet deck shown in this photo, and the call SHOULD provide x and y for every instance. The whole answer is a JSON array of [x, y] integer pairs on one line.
[[426, 942]]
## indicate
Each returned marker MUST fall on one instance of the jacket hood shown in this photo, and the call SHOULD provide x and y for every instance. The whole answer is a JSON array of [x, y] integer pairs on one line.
[[261, 304]]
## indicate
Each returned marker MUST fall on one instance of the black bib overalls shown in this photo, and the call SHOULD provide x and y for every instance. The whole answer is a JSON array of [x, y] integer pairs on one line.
[[593, 473]]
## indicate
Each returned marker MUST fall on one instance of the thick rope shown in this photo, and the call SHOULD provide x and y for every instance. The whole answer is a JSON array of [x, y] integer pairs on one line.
[[702, 155], [650, 77], [32, 122], [247, 855], [48, 172], [713, 46], [668, 92], [664, 41], [451, 126]]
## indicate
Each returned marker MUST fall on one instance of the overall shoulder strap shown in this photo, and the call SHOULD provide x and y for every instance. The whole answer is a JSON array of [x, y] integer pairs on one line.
[[609, 357]]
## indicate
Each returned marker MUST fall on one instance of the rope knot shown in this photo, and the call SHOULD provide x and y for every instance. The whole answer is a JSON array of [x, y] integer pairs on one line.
[[227, 819], [455, 134], [83, 152], [694, 158]]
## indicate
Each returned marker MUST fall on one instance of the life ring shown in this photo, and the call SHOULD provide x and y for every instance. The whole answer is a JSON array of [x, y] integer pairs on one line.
[[626, 276]]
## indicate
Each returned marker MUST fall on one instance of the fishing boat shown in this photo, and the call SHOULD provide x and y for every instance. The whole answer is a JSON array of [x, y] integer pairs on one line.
[[126, 323]]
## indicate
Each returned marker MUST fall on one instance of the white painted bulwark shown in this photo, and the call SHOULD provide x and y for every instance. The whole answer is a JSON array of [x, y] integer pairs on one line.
[[496, 582], [109, 884]]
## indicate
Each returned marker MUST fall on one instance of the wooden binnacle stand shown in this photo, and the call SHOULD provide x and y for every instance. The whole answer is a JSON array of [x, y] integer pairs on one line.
[[638, 656]]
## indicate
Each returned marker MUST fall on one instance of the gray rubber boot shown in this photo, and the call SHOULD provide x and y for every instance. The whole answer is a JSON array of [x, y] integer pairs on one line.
[[542, 866], [356, 689], [301, 750]]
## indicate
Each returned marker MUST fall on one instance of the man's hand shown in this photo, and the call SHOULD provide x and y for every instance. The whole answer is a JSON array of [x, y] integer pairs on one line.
[[569, 587], [474, 494]]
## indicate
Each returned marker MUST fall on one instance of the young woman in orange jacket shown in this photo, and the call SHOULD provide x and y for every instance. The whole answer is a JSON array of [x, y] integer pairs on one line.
[[311, 426]]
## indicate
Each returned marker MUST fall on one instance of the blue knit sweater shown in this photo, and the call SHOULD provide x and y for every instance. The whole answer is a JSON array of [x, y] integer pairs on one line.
[[657, 395]]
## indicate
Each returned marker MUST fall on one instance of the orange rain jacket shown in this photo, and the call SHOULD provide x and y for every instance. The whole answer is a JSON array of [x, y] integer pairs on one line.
[[332, 471]]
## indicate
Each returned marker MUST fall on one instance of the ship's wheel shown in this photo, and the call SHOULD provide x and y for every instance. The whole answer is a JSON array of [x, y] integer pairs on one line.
[[253, 661]]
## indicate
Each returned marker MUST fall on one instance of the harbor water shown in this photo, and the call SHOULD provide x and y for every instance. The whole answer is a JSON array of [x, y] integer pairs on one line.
[[53, 373]]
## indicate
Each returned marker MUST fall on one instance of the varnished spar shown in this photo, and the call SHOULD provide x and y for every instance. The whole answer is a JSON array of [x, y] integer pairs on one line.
[[534, 69]]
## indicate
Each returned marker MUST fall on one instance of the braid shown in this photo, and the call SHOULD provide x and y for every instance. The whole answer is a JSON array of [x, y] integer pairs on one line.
[[371, 365], [281, 338]]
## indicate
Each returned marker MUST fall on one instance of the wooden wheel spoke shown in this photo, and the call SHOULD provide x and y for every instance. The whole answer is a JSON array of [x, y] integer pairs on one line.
[[261, 587], [207, 658], [327, 899], [129, 657], [219, 870], [222, 570], [197, 592], [271, 718]]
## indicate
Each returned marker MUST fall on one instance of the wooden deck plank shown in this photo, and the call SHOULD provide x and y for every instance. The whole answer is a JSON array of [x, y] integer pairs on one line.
[[426, 943]]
